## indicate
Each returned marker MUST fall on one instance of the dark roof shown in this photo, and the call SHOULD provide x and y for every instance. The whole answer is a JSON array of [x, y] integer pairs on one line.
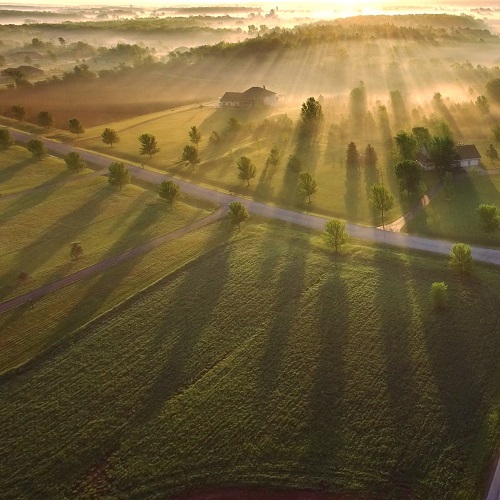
[[25, 70], [423, 158], [232, 97], [467, 152], [258, 93]]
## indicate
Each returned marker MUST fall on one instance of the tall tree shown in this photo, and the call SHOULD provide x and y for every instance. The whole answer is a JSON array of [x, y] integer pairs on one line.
[[492, 153], [36, 148], [76, 250], [109, 136], [274, 158], [443, 152], [149, 145], [118, 175], [195, 136], [336, 233], [495, 130], [307, 185], [169, 191], [246, 169], [422, 136], [74, 161], [18, 112], [45, 119], [5, 138], [358, 103], [381, 199], [311, 112], [409, 174], [406, 146], [352, 155], [75, 127], [238, 213], [493, 90], [483, 104], [190, 155], [489, 220], [461, 257], [371, 157]]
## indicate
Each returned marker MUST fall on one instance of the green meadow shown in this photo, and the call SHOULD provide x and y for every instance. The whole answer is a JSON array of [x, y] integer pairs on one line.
[[265, 361]]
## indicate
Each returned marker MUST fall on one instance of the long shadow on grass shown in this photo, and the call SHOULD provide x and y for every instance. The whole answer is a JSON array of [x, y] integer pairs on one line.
[[14, 169], [352, 192], [289, 287], [326, 423]]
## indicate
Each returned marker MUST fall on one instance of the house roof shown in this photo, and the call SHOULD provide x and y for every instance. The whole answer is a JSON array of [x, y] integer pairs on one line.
[[423, 158], [258, 93], [467, 152], [232, 97], [249, 95]]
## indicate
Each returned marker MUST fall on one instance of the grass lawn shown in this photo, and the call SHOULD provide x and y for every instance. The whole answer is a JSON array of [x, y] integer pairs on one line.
[[341, 192], [456, 218], [19, 171], [43, 224], [267, 361]]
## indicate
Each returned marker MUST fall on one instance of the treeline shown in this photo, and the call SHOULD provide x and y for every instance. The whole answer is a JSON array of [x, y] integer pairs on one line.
[[302, 36]]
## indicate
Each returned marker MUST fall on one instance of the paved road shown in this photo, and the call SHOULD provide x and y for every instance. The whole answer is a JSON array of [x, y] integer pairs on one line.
[[317, 222], [105, 264]]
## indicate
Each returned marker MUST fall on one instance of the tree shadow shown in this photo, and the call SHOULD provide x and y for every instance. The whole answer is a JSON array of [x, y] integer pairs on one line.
[[352, 191], [13, 169]]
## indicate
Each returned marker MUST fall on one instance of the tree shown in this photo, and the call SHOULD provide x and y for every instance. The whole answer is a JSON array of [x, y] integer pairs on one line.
[[492, 153], [18, 112], [493, 90], [307, 185], [76, 250], [409, 174], [439, 295], [149, 145], [118, 175], [75, 127], [371, 157], [109, 136], [381, 199], [406, 146], [274, 157], [234, 124], [246, 169], [18, 76], [489, 220], [311, 111], [238, 213], [62, 41], [483, 104], [336, 233], [214, 138], [495, 130], [422, 135], [443, 152], [461, 257], [45, 119], [169, 191], [36, 148], [195, 137], [190, 155], [5, 138], [293, 164], [352, 155], [74, 161]]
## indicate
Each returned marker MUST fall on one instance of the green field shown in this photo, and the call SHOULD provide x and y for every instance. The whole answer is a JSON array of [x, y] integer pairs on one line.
[[267, 361], [19, 171], [454, 217], [104, 220]]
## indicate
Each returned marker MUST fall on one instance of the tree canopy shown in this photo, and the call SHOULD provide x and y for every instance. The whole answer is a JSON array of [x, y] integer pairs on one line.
[[190, 155], [246, 169], [36, 148], [118, 175], [461, 257], [74, 161], [238, 213], [149, 145], [109, 136], [307, 185], [169, 191], [406, 146], [5, 138], [311, 111], [489, 219], [381, 199], [409, 174], [75, 127], [336, 233]]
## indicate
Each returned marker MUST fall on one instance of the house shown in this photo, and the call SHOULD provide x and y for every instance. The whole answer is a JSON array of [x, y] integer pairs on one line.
[[254, 96], [468, 156]]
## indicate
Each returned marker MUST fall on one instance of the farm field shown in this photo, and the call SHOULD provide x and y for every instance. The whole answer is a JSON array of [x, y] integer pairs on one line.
[[267, 361], [341, 192], [19, 171], [456, 218], [105, 221]]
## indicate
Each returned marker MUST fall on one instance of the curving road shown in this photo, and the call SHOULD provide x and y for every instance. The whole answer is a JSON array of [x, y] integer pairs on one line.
[[377, 235]]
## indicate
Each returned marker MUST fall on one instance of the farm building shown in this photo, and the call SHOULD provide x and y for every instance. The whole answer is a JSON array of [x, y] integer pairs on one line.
[[467, 156], [254, 96]]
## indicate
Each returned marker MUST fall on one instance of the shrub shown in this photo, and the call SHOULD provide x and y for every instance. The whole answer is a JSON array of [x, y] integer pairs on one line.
[[439, 295]]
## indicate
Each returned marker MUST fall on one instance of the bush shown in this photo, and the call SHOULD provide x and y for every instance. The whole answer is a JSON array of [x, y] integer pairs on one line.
[[461, 257], [439, 295]]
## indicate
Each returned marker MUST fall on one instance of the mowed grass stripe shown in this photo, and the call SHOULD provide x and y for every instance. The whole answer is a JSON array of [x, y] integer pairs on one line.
[[270, 362]]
